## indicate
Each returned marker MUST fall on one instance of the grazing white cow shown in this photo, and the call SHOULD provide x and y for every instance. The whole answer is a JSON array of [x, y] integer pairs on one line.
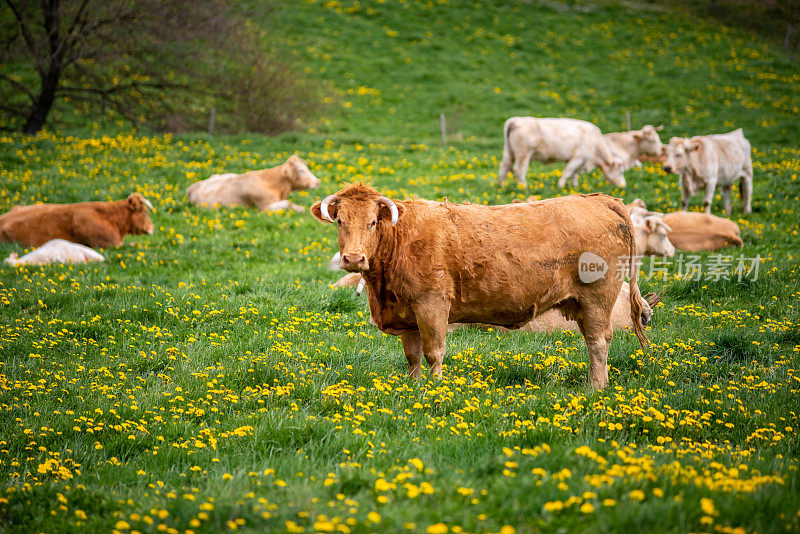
[[56, 251], [630, 146], [708, 161], [267, 189], [581, 144]]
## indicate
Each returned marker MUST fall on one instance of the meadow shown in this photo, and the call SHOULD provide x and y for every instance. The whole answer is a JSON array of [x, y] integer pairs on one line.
[[207, 378]]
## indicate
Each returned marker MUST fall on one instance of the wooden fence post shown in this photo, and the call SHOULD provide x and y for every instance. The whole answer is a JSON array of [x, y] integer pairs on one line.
[[211, 121]]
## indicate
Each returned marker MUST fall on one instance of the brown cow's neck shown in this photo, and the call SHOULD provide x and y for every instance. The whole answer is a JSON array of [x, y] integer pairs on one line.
[[117, 212], [379, 263]]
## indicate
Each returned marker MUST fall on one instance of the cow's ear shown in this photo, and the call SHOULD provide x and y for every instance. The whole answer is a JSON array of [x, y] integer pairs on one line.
[[691, 147], [133, 203], [333, 208], [637, 136], [385, 213], [288, 170]]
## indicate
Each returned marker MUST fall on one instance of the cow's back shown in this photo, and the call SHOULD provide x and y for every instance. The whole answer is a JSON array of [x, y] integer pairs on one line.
[[36, 224], [506, 264], [553, 139], [723, 155], [695, 232]]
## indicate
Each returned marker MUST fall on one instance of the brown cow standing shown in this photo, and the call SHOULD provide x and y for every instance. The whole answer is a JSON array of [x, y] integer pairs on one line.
[[429, 264], [94, 224]]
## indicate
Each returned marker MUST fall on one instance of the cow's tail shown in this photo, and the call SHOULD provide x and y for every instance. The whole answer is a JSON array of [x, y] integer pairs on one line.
[[635, 295], [508, 155]]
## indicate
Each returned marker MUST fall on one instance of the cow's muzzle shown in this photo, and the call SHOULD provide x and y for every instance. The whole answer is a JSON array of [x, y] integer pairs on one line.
[[668, 169], [354, 262]]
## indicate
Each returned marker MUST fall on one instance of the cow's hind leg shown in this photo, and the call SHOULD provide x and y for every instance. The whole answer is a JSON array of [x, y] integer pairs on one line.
[[746, 188], [412, 347], [726, 197], [505, 166], [521, 167], [595, 325]]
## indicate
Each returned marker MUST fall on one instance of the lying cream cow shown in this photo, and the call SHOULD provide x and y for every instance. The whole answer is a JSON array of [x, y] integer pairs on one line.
[[552, 320], [56, 251], [700, 231], [266, 190]]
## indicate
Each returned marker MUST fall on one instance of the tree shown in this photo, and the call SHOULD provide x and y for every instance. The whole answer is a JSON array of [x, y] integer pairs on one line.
[[144, 59]]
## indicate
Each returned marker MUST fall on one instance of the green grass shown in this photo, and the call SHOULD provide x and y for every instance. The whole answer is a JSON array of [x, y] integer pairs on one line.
[[206, 377]]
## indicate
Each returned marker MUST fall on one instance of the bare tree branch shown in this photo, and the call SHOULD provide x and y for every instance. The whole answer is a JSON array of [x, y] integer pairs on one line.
[[11, 110], [26, 35], [18, 86]]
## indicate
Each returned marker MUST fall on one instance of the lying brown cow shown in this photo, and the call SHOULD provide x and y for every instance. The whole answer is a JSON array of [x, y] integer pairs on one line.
[[94, 224], [699, 231], [267, 189], [429, 264]]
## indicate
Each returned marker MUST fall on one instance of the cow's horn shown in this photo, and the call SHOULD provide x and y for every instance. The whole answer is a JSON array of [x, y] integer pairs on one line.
[[323, 208], [392, 208], [360, 286], [659, 127], [147, 203]]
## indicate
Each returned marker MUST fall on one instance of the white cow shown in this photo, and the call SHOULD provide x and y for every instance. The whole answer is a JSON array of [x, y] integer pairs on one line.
[[708, 161], [581, 144], [629, 146], [56, 251], [267, 189]]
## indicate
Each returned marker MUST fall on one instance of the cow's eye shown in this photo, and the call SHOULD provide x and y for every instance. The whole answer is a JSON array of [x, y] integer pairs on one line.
[[372, 224], [339, 222]]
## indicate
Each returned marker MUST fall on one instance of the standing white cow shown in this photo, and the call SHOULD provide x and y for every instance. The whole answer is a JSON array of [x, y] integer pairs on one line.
[[706, 161], [581, 144], [630, 146]]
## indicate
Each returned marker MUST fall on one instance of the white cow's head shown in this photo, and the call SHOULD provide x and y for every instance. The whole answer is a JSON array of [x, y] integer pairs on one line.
[[299, 176], [678, 152], [613, 171], [653, 237], [649, 141]]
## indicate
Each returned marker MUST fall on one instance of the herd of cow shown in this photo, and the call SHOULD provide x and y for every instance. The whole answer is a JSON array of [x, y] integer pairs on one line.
[[427, 265]]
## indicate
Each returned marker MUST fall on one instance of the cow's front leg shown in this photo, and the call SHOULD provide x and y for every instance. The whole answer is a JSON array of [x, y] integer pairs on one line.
[[571, 171], [708, 195], [432, 322], [412, 347], [275, 206], [726, 198]]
